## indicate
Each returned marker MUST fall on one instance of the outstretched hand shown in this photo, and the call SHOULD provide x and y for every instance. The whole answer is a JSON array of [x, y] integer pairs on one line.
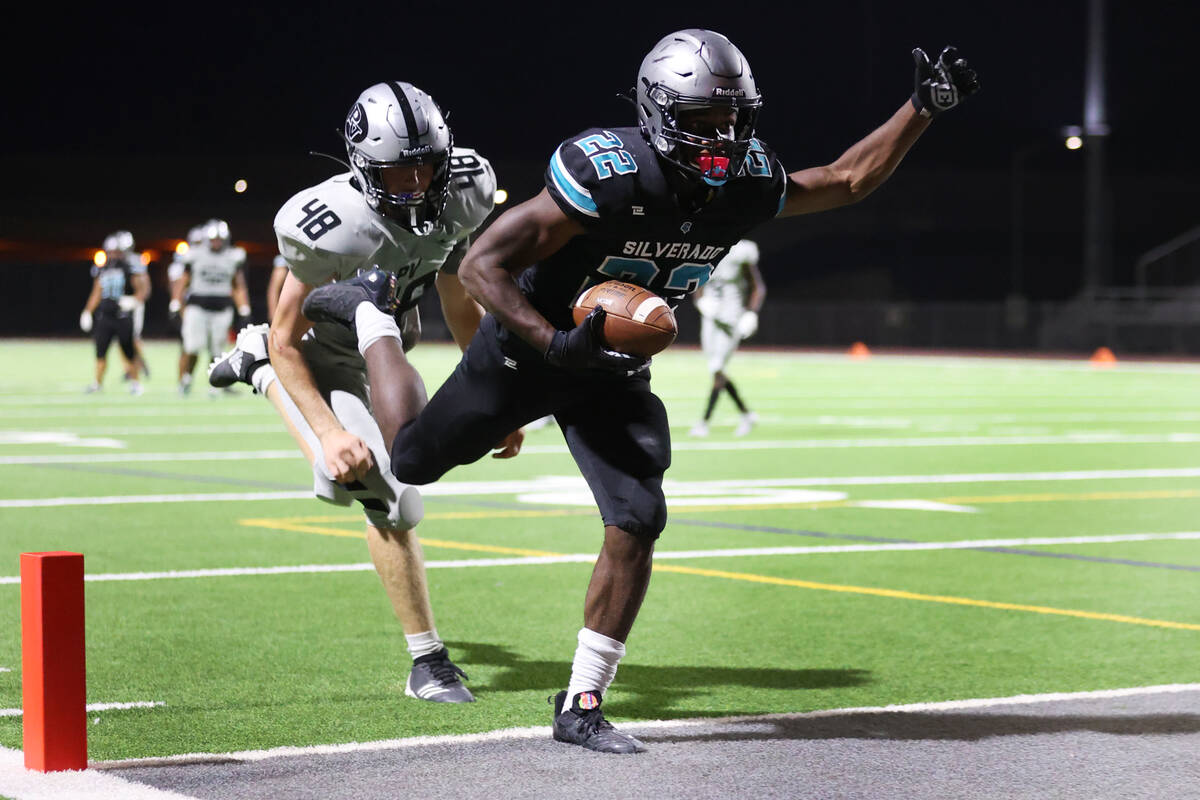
[[942, 86]]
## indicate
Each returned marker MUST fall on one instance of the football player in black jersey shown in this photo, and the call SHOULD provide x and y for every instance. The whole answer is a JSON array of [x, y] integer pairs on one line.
[[657, 205]]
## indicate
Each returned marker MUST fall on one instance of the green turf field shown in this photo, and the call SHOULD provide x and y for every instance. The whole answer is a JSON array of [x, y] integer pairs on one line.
[[827, 560]]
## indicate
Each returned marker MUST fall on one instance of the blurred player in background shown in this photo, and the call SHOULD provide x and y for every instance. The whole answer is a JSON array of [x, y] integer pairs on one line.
[[120, 287], [211, 288], [409, 204], [175, 273], [729, 304], [654, 205]]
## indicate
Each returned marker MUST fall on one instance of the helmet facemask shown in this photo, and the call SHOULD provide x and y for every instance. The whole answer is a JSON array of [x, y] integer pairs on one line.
[[416, 211], [690, 137]]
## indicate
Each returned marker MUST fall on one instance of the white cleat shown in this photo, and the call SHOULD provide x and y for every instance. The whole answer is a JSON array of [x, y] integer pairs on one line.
[[699, 429], [746, 423]]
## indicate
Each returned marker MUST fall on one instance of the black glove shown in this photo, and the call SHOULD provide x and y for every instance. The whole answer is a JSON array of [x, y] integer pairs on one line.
[[940, 87], [583, 348]]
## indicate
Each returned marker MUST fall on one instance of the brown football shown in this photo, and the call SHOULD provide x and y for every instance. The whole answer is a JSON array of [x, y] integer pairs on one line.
[[638, 321]]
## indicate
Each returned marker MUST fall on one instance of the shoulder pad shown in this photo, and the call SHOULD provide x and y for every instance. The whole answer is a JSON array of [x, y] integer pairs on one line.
[[472, 192], [591, 174], [324, 228]]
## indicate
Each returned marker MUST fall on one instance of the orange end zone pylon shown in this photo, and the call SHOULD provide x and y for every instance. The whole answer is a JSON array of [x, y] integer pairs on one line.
[[1103, 357], [859, 350], [53, 679]]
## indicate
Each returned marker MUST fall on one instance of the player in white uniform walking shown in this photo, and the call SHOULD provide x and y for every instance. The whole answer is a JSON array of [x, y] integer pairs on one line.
[[214, 283], [408, 206], [729, 304]]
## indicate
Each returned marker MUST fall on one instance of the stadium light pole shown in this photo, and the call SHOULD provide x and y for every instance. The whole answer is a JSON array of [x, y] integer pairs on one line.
[[1071, 137], [1097, 236]]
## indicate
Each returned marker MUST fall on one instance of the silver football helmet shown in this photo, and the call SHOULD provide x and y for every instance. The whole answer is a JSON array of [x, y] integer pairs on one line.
[[119, 242], [215, 230], [392, 125], [685, 74]]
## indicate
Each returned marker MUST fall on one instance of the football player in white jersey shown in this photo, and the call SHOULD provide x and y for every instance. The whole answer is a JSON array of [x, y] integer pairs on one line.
[[214, 284], [408, 206], [729, 304]]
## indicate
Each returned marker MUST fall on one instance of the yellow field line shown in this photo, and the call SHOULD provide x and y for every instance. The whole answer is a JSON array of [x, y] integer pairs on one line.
[[284, 525], [485, 548], [929, 598]]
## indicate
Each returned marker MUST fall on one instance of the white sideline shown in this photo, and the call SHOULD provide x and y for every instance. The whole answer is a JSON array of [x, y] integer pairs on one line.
[[746, 445], [90, 784], [509, 734], [553, 482], [17, 712], [662, 555]]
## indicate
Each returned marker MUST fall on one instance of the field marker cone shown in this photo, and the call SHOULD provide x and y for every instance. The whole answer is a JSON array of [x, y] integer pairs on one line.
[[858, 350], [1103, 358], [53, 675]]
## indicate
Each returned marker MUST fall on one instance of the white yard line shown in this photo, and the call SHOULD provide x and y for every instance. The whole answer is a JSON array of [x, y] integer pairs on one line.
[[90, 784], [672, 487], [512, 734], [558, 449], [660, 555], [16, 712]]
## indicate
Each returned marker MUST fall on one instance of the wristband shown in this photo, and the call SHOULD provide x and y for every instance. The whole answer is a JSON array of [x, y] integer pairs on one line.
[[243, 311]]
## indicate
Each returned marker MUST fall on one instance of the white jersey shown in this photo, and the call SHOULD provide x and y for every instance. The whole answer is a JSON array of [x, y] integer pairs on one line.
[[729, 285], [212, 272], [328, 232]]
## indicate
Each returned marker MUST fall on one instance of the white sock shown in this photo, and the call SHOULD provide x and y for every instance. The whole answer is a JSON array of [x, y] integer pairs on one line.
[[262, 378], [373, 325], [422, 644], [595, 664]]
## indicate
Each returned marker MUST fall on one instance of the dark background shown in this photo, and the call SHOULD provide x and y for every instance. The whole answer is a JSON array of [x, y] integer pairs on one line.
[[144, 120]]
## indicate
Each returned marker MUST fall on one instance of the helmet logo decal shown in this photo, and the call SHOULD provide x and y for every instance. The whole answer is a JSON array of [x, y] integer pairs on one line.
[[686, 227], [721, 91], [356, 124]]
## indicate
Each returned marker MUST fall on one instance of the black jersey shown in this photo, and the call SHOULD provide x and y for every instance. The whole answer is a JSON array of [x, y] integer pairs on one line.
[[636, 228], [116, 280]]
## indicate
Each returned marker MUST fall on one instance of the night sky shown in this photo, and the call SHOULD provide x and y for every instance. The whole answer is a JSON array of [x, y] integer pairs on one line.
[[153, 113]]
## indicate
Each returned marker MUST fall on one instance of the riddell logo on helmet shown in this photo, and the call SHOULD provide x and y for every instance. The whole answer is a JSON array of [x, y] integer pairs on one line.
[[723, 92]]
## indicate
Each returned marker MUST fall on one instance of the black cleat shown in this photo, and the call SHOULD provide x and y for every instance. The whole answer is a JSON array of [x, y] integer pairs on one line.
[[584, 724], [238, 365], [337, 302], [436, 678]]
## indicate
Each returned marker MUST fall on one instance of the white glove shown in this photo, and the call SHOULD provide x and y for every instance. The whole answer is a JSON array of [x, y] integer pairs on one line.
[[706, 304], [85, 321], [746, 325], [128, 302]]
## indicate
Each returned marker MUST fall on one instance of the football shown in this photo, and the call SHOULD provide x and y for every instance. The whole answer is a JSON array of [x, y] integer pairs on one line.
[[638, 321]]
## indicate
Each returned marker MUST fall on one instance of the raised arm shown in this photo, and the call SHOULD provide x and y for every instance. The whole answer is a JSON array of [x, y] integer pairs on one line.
[[870, 161]]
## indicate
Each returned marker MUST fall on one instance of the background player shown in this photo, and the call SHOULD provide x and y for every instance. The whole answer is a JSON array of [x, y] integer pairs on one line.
[[656, 205], [729, 304], [211, 285], [120, 287], [409, 205]]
